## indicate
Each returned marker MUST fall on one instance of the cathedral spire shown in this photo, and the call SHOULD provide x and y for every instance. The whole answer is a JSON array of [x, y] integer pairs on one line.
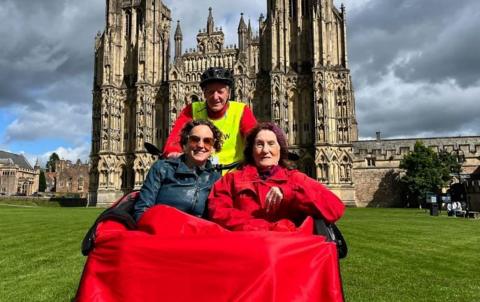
[[242, 34], [210, 21], [344, 23], [242, 27], [178, 40], [178, 31]]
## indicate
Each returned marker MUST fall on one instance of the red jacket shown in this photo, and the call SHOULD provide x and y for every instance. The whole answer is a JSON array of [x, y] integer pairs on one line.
[[247, 122], [237, 201]]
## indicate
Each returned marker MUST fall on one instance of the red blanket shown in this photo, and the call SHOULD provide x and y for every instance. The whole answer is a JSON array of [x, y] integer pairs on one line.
[[177, 257]]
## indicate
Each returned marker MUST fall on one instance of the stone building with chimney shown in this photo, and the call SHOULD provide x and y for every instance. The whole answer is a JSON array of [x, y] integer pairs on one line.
[[17, 176], [68, 178]]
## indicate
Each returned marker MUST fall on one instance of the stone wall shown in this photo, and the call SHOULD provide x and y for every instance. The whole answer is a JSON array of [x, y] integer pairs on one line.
[[377, 187], [376, 162]]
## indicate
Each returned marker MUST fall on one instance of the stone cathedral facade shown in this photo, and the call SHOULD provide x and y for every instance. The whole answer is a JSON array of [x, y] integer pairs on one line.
[[293, 72]]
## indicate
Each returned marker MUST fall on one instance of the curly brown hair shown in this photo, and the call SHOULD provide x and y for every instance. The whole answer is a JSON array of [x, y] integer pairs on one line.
[[281, 139], [187, 129]]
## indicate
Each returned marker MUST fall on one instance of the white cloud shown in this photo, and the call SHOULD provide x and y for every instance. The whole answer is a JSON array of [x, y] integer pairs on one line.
[[81, 152], [71, 123]]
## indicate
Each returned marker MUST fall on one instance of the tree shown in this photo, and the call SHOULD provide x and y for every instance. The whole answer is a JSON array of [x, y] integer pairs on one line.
[[426, 171], [42, 182], [51, 162]]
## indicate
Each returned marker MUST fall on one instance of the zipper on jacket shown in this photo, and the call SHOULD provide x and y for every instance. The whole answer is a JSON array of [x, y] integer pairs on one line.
[[195, 196]]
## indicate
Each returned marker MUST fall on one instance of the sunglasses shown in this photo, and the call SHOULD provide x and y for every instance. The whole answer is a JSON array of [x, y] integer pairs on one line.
[[208, 142]]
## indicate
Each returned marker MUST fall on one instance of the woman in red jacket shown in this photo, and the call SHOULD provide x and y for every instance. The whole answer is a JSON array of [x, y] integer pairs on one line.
[[265, 194]]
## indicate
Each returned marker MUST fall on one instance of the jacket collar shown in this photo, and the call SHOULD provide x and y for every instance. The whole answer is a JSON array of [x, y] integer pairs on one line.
[[251, 172]]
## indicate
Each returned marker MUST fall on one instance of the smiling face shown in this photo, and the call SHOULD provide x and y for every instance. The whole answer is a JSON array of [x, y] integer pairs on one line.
[[199, 145], [266, 150], [216, 94]]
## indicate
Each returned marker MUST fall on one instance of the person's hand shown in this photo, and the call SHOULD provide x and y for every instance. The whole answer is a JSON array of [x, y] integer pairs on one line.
[[273, 200], [174, 154]]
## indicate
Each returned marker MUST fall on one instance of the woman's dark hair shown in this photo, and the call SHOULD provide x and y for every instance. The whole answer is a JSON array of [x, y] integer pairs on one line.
[[217, 134], [281, 139]]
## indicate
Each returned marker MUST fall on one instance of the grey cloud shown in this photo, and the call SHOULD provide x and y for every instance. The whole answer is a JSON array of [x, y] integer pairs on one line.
[[46, 68], [454, 54], [54, 41], [69, 122], [409, 110], [444, 33]]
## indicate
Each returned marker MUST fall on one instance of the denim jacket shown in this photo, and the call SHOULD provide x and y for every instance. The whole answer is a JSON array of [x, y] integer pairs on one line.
[[171, 182]]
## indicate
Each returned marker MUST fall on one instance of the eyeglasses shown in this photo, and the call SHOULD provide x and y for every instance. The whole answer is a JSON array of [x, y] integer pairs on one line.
[[208, 142]]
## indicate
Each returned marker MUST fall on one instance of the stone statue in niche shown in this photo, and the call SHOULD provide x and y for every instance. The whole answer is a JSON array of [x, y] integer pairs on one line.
[[276, 110], [320, 109]]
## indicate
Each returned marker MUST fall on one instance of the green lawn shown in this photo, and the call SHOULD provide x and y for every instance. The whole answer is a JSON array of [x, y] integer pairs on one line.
[[40, 257], [394, 254], [407, 255]]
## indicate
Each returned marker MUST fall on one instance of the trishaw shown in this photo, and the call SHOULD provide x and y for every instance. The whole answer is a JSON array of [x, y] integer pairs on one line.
[[172, 256]]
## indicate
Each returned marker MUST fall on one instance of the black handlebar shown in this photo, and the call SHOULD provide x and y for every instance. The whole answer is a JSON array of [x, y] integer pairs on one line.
[[220, 167], [152, 149]]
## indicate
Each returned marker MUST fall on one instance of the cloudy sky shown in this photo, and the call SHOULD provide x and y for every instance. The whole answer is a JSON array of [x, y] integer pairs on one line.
[[415, 66]]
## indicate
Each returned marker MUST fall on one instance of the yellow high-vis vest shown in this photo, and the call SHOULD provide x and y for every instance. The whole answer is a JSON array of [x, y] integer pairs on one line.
[[229, 124]]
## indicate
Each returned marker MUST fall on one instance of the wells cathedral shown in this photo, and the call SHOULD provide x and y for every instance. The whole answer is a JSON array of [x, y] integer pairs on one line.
[[294, 72]]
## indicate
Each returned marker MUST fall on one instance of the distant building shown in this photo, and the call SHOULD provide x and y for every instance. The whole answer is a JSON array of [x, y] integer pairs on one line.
[[68, 178], [376, 167], [17, 176]]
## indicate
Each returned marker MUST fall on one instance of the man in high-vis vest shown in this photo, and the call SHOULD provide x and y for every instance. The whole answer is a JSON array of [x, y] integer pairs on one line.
[[234, 119]]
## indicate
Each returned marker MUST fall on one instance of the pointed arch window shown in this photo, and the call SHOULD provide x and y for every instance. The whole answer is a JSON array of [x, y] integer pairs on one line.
[[128, 23], [370, 161], [305, 7], [293, 9], [345, 170]]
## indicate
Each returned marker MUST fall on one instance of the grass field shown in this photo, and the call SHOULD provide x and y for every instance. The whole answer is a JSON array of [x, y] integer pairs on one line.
[[394, 255]]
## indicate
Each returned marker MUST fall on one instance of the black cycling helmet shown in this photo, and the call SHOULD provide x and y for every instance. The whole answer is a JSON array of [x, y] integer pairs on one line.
[[216, 74]]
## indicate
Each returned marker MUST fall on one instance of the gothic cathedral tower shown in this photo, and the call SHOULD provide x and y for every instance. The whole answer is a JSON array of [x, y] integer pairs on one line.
[[294, 73], [130, 95], [304, 85]]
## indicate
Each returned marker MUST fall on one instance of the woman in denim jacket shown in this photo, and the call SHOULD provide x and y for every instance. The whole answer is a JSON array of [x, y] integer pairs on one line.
[[184, 182]]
